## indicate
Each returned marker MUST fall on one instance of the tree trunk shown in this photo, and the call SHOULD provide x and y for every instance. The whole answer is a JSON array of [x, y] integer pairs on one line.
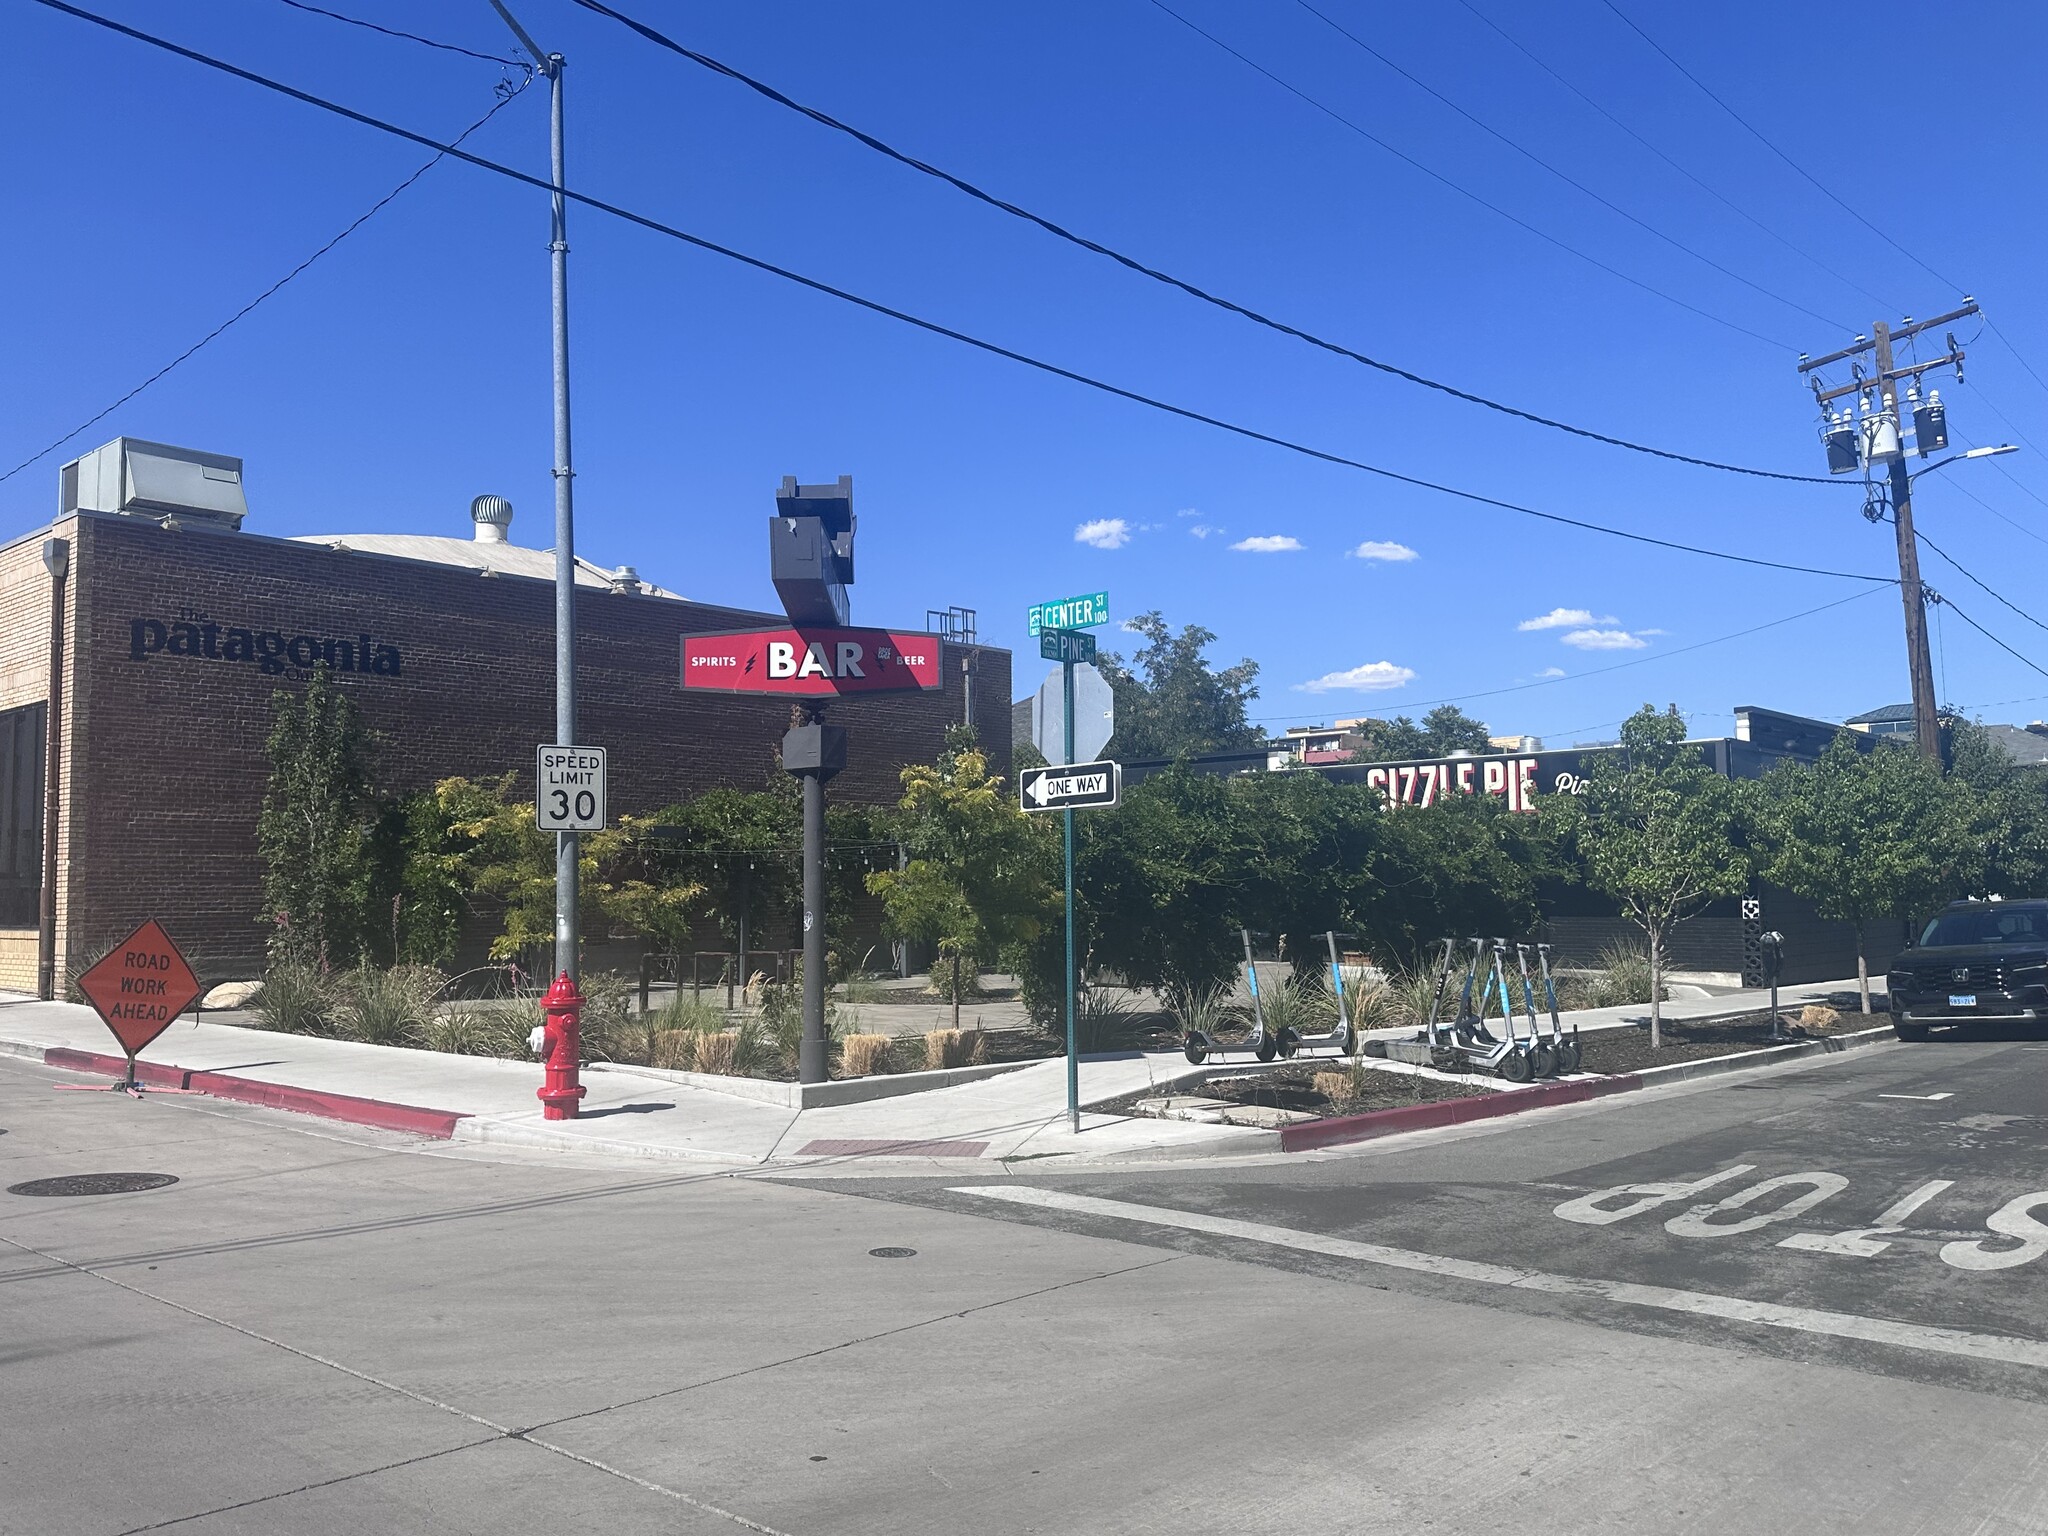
[[1656, 990], [956, 990], [1862, 969]]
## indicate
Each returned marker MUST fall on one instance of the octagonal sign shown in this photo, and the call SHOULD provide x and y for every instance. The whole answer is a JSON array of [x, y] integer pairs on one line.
[[139, 986]]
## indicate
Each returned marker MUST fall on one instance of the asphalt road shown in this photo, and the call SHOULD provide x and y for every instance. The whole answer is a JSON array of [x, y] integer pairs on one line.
[[1586, 1320]]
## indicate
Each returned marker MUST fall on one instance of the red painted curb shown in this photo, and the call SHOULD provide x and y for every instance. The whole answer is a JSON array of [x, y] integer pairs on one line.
[[384, 1115], [1422, 1117]]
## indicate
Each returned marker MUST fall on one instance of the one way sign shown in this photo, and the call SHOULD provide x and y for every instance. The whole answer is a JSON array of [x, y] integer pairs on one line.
[[1085, 786]]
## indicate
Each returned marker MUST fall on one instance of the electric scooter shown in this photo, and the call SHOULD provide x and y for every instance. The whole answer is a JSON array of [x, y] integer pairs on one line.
[[1542, 1052], [1469, 1039], [1569, 1052], [1345, 1035], [1198, 1047]]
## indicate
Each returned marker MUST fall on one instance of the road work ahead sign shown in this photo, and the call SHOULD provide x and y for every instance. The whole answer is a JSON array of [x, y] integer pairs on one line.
[[568, 789], [139, 986], [1085, 786]]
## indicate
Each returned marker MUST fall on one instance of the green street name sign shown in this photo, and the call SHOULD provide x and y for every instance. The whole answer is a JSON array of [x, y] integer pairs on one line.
[[1088, 611], [1066, 645]]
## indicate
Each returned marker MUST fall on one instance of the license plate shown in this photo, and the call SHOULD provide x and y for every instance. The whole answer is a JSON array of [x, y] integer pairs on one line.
[[1962, 999]]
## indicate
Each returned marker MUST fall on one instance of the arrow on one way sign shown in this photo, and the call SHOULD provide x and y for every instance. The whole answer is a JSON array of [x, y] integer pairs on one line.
[[1084, 786]]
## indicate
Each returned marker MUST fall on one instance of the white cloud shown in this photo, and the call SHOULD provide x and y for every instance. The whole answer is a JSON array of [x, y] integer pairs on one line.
[[1268, 544], [1189, 512], [1382, 549], [1552, 672], [1372, 677], [1604, 640], [1203, 530], [1104, 533], [1564, 618]]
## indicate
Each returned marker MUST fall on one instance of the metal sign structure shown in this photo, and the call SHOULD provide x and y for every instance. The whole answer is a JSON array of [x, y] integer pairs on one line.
[[1094, 715], [138, 987], [1090, 610], [811, 662], [1083, 787], [1066, 645], [569, 789]]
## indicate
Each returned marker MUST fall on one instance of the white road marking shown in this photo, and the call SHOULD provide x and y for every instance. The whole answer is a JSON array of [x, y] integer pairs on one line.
[[1589, 1211], [2000, 1348], [1928, 1097], [2012, 1219], [1696, 1222], [1857, 1244]]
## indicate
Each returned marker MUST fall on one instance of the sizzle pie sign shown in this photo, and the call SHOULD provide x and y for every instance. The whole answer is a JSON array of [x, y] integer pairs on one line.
[[811, 661]]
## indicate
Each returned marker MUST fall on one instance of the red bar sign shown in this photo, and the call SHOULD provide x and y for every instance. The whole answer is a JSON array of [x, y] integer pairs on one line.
[[811, 661]]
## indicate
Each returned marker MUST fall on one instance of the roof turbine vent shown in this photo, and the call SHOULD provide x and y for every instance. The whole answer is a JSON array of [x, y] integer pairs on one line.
[[492, 516]]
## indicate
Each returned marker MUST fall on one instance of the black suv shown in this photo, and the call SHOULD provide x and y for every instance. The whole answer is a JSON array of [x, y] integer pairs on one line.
[[1983, 960]]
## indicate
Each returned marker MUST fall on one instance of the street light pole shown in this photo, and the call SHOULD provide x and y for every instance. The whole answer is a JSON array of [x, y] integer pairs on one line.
[[567, 844]]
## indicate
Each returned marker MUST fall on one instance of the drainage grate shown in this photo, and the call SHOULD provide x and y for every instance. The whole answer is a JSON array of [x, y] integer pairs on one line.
[[94, 1184], [892, 1253]]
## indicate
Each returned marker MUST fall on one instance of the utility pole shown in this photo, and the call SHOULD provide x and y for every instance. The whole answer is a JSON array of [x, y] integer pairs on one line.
[[1879, 442], [567, 844]]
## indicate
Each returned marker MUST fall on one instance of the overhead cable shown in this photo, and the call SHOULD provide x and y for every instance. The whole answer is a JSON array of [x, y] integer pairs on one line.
[[410, 37], [1949, 603], [825, 119], [1974, 580], [1569, 180], [1640, 661], [1758, 134], [368, 214], [1714, 192], [876, 307], [1466, 192]]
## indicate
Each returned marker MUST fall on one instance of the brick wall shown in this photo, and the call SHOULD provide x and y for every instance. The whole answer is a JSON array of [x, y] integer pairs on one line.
[[169, 748]]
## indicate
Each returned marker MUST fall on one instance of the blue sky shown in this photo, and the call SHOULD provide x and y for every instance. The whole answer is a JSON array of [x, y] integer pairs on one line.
[[408, 370]]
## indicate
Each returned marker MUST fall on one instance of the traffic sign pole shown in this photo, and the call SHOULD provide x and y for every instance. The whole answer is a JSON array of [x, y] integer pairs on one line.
[[1067, 816]]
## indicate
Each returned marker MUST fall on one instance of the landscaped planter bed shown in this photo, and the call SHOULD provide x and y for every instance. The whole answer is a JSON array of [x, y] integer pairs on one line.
[[1608, 1051], [1292, 1087]]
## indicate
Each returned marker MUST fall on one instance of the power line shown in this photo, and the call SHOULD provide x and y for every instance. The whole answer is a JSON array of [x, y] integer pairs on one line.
[[1619, 666], [1975, 581], [371, 212], [1757, 134], [2010, 522], [1571, 181], [410, 37], [876, 307], [1711, 191], [1950, 603], [825, 119], [2015, 351], [1466, 192]]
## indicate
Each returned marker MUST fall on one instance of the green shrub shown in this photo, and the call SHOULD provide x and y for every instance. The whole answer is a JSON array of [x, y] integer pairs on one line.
[[394, 1007], [1105, 1022], [297, 999], [1623, 977], [479, 1032], [1210, 1010]]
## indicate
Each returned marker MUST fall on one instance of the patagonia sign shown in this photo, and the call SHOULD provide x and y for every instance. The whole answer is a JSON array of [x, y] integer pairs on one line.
[[272, 652]]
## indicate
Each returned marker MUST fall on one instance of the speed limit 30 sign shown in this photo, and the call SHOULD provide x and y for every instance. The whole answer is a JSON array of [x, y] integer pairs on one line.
[[568, 789]]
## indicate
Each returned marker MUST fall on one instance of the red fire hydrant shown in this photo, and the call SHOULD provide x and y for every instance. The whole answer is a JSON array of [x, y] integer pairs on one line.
[[561, 1044]]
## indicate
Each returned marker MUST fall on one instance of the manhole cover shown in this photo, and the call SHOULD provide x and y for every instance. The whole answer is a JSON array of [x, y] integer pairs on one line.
[[892, 1253], [94, 1184]]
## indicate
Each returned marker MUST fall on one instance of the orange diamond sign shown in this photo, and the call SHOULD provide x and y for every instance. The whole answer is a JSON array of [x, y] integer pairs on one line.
[[139, 986]]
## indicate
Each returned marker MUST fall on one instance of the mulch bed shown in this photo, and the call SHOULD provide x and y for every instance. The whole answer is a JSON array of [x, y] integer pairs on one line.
[[1628, 1050], [1292, 1086]]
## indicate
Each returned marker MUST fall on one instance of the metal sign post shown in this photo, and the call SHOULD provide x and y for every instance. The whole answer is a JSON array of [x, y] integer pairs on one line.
[[1073, 981]]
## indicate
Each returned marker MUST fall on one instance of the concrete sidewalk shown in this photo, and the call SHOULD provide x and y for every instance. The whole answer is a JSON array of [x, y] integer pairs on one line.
[[1015, 1116]]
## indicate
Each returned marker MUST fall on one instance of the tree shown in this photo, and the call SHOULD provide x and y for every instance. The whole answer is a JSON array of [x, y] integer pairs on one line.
[[313, 832], [742, 847], [1444, 730], [2009, 813], [978, 881], [1656, 828], [1179, 707], [1865, 835]]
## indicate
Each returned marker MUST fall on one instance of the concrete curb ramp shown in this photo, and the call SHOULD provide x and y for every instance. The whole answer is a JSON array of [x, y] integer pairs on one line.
[[1311, 1134], [437, 1123]]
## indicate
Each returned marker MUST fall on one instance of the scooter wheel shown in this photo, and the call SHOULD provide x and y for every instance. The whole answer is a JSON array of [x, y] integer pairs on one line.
[[1569, 1055], [1517, 1067], [1268, 1048], [1544, 1059], [1289, 1042], [1196, 1049]]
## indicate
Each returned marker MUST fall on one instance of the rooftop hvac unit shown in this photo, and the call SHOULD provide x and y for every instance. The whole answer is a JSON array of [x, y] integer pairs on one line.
[[154, 480]]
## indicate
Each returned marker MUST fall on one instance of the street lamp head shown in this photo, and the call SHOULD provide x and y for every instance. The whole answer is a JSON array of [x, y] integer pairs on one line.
[[1991, 450]]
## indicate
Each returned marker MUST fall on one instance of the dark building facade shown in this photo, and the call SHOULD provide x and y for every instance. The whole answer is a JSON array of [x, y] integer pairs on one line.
[[175, 638]]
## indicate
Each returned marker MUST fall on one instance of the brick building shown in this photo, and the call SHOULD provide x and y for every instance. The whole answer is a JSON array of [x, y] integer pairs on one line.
[[178, 628]]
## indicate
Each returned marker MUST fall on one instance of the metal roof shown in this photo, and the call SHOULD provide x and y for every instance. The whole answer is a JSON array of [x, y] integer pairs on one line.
[[481, 557], [1883, 716]]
